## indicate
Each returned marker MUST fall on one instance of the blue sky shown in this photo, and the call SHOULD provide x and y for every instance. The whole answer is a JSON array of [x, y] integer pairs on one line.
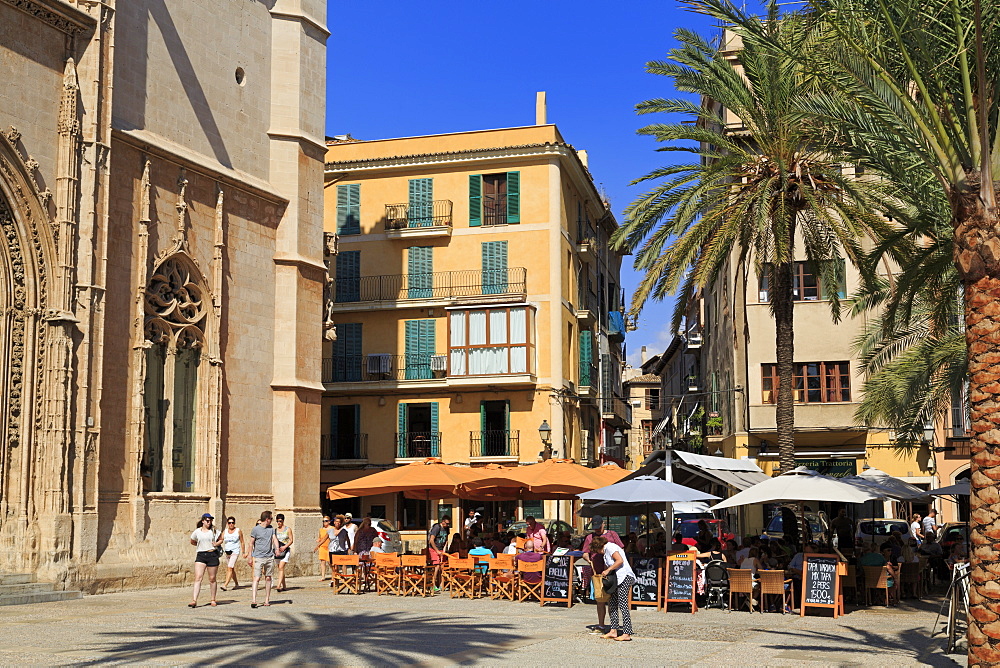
[[400, 69]]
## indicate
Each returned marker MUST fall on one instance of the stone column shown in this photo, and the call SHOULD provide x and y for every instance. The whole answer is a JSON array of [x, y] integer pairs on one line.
[[298, 93]]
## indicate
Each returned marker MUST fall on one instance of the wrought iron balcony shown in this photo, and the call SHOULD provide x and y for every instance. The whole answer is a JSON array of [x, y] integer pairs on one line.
[[335, 447], [436, 285], [495, 209], [494, 443], [404, 216], [378, 367], [617, 408], [416, 444]]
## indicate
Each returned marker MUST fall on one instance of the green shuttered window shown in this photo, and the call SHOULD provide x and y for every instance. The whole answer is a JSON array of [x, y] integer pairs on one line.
[[349, 209], [347, 286], [513, 198], [495, 199], [420, 272], [494, 267], [475, 200], [421, 209], [420, 344], [347, 357]]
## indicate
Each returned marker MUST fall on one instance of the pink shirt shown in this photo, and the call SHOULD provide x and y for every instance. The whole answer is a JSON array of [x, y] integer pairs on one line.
[[538, 536], [612, 537]]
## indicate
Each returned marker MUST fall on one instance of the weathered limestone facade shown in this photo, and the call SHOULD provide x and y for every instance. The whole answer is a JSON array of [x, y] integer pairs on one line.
[[161, 278]]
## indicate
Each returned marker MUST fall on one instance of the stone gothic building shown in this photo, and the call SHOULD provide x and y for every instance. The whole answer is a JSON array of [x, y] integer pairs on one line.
[[161, 278]]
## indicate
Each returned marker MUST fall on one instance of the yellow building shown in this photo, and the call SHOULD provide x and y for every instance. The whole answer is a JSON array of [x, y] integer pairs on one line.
[[473, 297]]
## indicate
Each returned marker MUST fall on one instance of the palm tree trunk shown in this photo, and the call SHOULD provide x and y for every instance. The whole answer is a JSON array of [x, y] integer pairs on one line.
[[977, 256], [783, 306]]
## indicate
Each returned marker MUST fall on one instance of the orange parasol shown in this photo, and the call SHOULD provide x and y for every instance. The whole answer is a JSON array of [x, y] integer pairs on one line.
[[551, 479], [429, 479]]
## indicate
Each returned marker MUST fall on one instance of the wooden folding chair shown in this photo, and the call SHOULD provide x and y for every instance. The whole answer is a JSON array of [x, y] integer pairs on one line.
[[482, 571], [447, 569], [877, 578], [527, 590], [741, 584], [463, 578], [387, 570], [503, 578], [416, 575], [341, 579], [773, 583]]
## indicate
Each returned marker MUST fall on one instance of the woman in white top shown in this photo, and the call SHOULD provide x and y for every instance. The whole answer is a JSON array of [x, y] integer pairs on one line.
[[285, 537], [615, 562], [232, 546], [207, 541], [751, 562]]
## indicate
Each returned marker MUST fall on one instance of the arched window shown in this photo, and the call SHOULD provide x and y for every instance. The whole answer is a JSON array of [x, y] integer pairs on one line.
[[175, 329]]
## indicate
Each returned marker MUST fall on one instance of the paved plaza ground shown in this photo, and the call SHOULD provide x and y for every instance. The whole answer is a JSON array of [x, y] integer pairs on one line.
[[309, 625]]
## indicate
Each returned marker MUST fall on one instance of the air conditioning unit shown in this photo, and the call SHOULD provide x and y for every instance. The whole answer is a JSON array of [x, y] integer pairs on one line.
[[379, 364], [439, 363]]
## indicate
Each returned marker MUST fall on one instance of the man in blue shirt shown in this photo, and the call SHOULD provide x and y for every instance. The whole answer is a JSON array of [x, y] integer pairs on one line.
[[478, 550]]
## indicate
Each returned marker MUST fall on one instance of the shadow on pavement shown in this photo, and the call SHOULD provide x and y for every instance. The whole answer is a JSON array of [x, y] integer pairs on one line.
[[913, 643], [368, 638]]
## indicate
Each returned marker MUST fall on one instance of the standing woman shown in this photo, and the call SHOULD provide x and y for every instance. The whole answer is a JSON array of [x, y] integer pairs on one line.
[[615, 562], [207, 540], [322, 549], [285, 537], [364, 538], [233, 546]]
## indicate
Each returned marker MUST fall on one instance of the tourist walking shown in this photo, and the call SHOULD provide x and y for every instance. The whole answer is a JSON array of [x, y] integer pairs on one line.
[[207, 541], [233, 545], [322, 549], [263, 549], [437, 539], [916, 530], [615, 563], [340, 540], [285, 537], [364, 538]]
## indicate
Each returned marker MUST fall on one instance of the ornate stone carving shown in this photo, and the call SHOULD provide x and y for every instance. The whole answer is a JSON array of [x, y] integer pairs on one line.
[[59, 17], [174, 305], [12, 135]]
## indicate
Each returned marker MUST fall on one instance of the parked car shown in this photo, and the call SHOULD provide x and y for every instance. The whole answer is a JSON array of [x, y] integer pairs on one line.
[[683, 517], [875, 530], [689, 530], [819, 526], [391, 540], [954, 532]]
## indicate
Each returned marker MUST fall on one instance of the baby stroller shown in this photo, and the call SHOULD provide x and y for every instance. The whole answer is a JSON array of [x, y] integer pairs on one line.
[[716, 584]]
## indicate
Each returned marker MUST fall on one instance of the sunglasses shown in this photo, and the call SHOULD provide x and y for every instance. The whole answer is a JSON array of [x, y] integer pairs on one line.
[[230, 522]]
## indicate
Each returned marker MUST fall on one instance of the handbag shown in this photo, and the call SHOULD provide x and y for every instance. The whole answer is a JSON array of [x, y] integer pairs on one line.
[[600, 594], [611, 582]]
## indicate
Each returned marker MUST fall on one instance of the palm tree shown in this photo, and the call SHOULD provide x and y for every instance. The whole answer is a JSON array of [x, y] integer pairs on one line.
[[919, 81], [756, 189]]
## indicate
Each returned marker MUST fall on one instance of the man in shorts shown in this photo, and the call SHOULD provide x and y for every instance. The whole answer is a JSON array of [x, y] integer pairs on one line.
[[263, 548], [437, 540]]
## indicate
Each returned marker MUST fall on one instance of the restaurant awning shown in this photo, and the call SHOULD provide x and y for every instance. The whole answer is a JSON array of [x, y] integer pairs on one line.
[[739, 473]]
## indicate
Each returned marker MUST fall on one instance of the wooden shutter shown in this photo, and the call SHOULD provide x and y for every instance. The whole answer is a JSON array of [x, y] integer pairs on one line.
[[513, 198], [347, 352], [347, 287], [494, 267], [475, 200], [420, 270], [421, 209], [586, 357], [401, 429], [334, 431], [435, 441], [349, 209]]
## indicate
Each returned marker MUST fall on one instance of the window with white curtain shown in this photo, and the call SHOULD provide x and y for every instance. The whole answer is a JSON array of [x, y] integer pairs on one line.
[[490, 341]]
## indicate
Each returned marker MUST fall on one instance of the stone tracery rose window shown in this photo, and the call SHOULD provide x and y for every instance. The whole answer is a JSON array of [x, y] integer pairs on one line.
[[176, 309]]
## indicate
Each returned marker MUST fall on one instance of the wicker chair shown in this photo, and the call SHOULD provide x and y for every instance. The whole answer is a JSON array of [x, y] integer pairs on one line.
[[877, 578], [773, 583], [741, 584], [911, 580]]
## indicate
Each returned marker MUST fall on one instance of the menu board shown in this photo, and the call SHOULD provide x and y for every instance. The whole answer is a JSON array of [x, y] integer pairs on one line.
[[646, 590], [681, 575], [558, 580], [821, 583]]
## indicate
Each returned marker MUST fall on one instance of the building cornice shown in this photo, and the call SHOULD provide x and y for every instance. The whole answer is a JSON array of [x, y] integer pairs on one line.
[[56, 13], [470, 155]]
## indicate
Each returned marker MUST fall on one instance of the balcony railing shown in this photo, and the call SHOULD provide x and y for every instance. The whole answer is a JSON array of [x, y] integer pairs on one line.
[[344, 446], [588, 374], [404, 216], [415, 444], [617, 407], [495, 209], [436, 285], [376, 367], [494, 443]]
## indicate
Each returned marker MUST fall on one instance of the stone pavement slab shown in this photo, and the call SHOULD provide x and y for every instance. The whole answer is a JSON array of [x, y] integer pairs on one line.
[[308, 625]]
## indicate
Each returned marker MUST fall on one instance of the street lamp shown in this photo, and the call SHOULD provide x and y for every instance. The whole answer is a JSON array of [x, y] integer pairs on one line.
[[618, 436], [545, 433], [928, 431]]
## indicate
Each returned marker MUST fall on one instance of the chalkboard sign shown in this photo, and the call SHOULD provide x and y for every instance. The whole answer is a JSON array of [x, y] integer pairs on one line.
[[646, 590], [558, 580], [681, 576], [821, 583]]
